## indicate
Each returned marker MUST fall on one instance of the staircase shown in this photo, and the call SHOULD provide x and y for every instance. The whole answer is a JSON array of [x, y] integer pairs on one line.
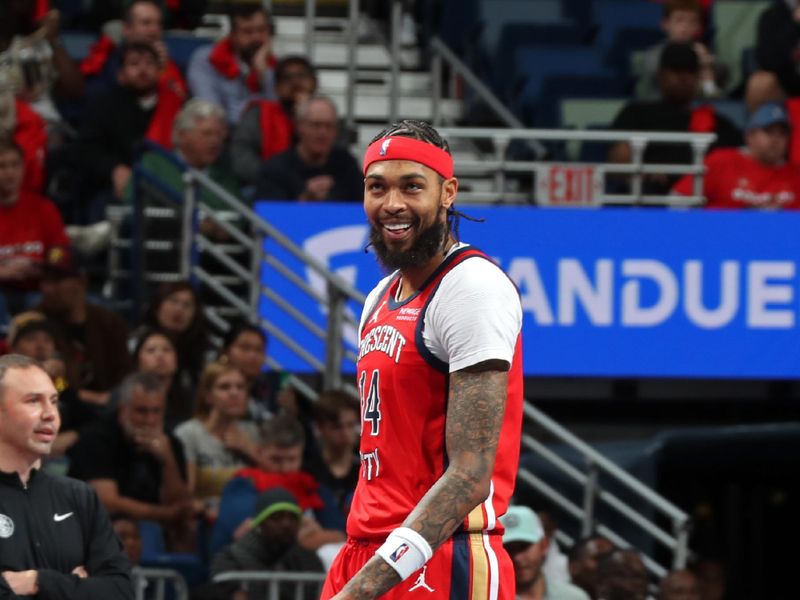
[[372, 102]]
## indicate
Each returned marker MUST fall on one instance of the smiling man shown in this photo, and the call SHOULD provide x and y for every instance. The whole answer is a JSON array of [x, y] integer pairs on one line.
[[439, 373], [56, 540]]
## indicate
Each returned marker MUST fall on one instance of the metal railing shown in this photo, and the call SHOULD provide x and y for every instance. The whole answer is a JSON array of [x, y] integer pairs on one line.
[[251, 231], [273, 581], [675, 541], [153, 584], [498, 167]]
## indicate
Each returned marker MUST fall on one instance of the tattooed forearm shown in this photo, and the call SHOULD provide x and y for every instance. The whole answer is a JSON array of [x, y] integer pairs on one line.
[[474, 418], [375, 578]]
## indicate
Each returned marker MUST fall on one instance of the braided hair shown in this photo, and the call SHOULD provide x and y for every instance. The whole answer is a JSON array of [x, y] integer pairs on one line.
[[425, 132], [418, 130]]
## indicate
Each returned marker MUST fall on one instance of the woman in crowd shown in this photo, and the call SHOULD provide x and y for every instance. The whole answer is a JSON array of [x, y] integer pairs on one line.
[[176, 309], [155, 353], [245, 346], [217, 442]]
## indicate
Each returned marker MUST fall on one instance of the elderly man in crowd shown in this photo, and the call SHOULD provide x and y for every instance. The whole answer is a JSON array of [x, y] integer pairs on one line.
[[315, 169]]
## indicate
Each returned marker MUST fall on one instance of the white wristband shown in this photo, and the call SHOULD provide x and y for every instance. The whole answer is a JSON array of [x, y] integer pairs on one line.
[[406, 551]]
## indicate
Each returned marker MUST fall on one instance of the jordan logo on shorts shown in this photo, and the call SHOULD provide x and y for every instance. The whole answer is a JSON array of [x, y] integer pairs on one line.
[[420, 583]]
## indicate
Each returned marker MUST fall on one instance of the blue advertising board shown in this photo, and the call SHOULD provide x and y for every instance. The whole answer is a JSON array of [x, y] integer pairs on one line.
[[612, 292]]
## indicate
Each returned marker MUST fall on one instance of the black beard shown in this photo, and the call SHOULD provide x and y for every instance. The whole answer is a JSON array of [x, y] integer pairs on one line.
[[428, 243]]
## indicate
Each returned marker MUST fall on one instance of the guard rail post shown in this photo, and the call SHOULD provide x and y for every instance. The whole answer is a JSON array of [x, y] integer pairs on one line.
[[188, 216], [638, 146], [333, 346], [589, 498], [352, 49], [436, 83], [396, 18], [681, 529], [698, 152], [500, 148], [311, 10], [137, 279], [256, 260]]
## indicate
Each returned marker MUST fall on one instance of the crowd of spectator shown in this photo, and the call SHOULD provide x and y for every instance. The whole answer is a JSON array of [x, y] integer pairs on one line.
[[595, 568], [72, 132], [678, 80], [225, 460]]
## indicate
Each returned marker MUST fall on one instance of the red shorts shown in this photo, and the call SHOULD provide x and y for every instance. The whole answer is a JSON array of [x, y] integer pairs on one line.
[[469, 566]]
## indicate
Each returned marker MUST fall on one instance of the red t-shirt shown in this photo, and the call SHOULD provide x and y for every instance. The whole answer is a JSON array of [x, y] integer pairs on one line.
[[735, 179], [30, 228]]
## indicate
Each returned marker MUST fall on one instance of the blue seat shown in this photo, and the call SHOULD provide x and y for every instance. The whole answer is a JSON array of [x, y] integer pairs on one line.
[[154, 554], [578, 11], [535, 63], [516, 35], [458, 20], [612, 16], [181, 48], [735, 110], [77, 43], [628, 41], [547, 109]]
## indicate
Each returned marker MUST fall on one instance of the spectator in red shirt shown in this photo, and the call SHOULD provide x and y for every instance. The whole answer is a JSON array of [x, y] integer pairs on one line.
[[756, 176], [29, 226]]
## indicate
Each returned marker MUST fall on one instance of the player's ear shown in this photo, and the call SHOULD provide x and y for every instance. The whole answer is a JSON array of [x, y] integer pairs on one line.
[[449, 191]]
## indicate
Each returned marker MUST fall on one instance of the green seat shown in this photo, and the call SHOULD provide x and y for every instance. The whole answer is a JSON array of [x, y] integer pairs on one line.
[[735, 25], [585, 113]]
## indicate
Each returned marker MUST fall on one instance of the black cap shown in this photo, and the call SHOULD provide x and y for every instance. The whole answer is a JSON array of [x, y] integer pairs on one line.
[[32, 326], [274, 500], [679, 57]]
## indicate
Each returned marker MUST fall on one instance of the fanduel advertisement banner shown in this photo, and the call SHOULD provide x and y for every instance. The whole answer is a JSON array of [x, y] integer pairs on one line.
[[612, 292]]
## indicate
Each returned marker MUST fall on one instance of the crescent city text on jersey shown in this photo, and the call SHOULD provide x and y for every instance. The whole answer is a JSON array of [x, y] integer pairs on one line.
[[383, 338]]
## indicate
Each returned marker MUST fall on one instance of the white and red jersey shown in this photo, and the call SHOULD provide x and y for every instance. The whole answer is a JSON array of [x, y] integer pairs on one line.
[[467, 312]]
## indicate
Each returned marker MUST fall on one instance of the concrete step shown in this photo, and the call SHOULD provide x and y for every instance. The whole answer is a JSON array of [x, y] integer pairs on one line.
[[376, 108], [296, 26], [335, 54], [336, 80]]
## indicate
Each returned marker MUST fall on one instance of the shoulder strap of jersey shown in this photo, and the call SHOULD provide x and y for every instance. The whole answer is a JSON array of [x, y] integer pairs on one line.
[[455, 259], [380, 297]]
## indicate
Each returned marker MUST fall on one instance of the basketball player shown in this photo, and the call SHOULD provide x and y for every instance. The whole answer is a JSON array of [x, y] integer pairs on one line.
[[439, 372]]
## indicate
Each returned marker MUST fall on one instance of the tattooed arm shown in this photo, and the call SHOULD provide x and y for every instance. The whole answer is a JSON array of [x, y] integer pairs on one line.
[[474, 418]]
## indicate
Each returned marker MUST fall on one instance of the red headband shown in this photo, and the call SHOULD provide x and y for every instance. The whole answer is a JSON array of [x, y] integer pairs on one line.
[[404, 148]]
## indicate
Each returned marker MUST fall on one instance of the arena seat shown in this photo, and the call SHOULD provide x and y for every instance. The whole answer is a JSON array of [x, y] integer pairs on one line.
[[77, 43], [556, 87], [457, 23], [628, 42], [516, 35], [588, 113], [614, 16], [182, 46], [578, 11], [534, 64], [735, 110]]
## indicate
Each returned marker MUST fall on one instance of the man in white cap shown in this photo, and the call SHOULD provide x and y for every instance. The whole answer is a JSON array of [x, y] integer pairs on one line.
[[526, 543]]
